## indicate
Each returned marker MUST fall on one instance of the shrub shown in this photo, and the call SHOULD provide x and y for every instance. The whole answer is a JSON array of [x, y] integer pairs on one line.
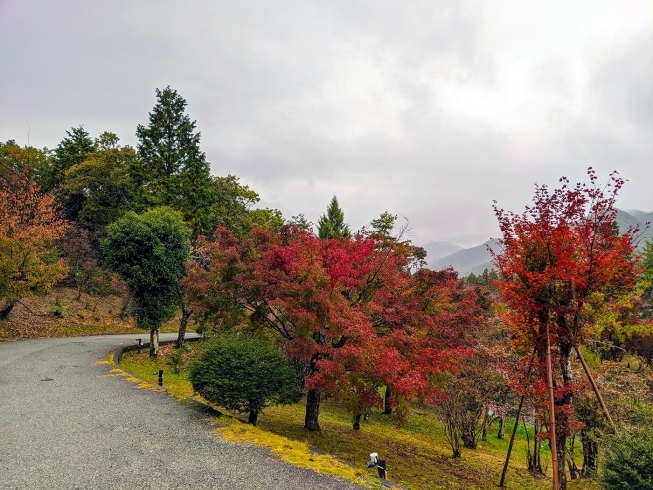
[[245, 374], [628, 461]]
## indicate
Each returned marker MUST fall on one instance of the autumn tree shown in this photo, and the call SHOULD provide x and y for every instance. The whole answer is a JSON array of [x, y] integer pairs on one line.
[[149, 252], [562, 264], [350, 309], [30, 223]]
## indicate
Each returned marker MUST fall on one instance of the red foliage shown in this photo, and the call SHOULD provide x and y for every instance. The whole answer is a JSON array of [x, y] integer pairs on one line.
[[352, 308], [563, 262]]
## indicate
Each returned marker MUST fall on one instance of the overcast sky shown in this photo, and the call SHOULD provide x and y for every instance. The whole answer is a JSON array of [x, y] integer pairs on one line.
[[427, 109]]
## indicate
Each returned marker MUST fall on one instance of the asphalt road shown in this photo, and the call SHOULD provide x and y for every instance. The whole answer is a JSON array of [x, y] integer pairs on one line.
[[64, 424]]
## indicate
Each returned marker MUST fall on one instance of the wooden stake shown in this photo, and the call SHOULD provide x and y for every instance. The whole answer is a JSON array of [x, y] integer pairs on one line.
[[514, 429], [595, 388]]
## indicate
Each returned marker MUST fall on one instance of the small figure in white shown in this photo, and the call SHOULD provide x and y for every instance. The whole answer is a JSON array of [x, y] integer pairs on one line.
[[375, 461]]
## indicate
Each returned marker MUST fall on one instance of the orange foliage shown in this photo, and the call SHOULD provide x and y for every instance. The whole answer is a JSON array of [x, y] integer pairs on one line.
[[29, 223]]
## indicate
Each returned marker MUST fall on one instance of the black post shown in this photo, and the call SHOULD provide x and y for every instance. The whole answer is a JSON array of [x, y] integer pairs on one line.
[[160, 377], [140, 345]]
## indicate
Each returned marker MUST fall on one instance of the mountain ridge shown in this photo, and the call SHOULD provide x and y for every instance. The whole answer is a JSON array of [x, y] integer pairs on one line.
[[478, 258]]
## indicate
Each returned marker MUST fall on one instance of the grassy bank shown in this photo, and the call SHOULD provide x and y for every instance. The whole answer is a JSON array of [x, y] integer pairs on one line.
[[418, 454]]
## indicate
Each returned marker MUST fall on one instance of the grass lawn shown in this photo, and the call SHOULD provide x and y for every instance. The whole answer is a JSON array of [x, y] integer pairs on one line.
[[418, 455]]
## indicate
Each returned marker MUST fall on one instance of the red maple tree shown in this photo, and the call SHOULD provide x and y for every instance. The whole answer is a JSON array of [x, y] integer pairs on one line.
[[352, 310], [562, 262]]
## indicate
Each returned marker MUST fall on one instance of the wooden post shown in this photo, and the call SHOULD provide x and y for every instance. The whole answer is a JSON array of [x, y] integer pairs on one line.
[[514, 429], [552, 415], [160, 377], [512, 440], [595, 388]]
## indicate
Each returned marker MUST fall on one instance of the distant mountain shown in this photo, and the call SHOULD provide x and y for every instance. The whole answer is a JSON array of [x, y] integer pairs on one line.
[[467, 259], [435, 250], [643, 216], [477, 259], [626, 220]]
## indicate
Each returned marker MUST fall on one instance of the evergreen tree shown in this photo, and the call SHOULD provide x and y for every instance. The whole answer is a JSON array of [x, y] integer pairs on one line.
[[148, 252], [173, 170], [71, 151], [245, 374], [332, 224]]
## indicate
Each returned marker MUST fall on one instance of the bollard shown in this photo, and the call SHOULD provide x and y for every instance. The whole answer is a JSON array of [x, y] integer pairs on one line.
[[140, 345], [160, 377]]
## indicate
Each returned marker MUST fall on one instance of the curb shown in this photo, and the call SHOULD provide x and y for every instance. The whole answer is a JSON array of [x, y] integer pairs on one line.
[[197, 405]]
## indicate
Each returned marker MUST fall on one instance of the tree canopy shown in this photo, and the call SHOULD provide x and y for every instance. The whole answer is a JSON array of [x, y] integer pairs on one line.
[[30, 223], [149, 252]]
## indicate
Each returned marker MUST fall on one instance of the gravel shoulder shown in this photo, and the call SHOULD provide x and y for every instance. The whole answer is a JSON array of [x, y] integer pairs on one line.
[[65, 424]]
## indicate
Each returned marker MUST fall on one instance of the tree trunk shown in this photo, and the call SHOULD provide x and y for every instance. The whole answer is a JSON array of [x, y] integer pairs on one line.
[[562, 419], [4, 313], [357, 421], [590, 455], [469, 438], [154, 342], [387, 409], [534, 460], [183, 323], [253, 417], [487, 420], [502, 427], [311, 421]]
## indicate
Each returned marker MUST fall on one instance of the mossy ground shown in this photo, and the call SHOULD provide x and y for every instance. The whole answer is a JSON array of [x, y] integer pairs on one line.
[[418, 454]]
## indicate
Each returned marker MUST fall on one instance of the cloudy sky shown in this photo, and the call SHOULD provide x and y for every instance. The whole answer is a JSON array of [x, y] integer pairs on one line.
[[427, 109]]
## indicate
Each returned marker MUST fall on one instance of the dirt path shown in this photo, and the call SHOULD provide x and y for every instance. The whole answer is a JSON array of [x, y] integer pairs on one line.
[[65, 424]]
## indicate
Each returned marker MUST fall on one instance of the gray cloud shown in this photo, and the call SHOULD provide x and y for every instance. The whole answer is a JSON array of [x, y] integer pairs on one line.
[[431, 110]]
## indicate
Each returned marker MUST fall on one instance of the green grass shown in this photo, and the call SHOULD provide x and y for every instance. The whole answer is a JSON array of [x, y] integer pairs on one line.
[[418, 455]]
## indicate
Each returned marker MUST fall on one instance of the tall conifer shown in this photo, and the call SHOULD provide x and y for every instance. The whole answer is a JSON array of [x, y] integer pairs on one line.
[[332, 224], [172, 170]]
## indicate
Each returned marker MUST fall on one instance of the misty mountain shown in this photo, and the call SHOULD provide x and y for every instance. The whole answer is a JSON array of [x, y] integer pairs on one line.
[[626, 220], [643, 216], [467, 259], [477, 259], [435, 250]]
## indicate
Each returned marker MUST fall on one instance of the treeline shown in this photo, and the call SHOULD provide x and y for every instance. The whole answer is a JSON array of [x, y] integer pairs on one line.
[[356, 314]]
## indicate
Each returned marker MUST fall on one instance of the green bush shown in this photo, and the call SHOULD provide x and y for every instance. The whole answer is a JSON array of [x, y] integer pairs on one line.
[[628, 461], [245, 374]]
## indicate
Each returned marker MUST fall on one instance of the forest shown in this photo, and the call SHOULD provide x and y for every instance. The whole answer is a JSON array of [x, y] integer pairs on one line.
[[558, 335]]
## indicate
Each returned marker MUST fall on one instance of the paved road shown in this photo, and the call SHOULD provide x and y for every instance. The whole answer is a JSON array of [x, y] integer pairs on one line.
[[65, 425]]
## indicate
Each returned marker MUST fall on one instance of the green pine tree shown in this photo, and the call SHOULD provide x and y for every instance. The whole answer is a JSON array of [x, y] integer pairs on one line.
[[332, 224], [71, 151], [172, 170]]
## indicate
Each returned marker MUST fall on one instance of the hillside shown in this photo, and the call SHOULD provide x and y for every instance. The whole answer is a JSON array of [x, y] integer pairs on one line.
[[465, 260], [64, 312], [436, 250], [476, 259]]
